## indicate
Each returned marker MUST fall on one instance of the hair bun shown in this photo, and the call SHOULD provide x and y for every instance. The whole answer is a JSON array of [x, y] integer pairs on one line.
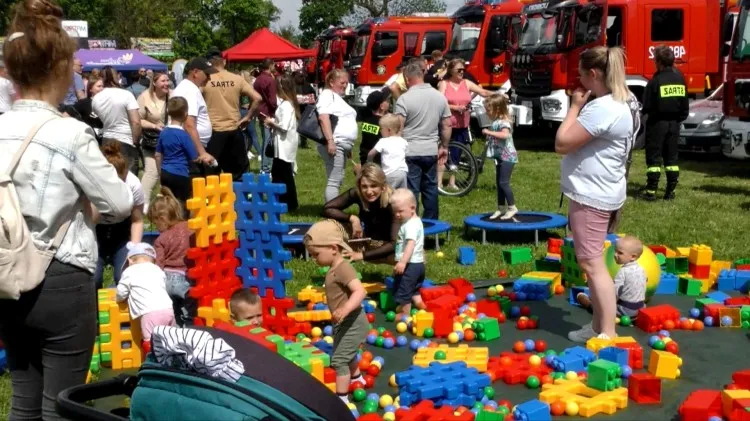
[[43, 10]]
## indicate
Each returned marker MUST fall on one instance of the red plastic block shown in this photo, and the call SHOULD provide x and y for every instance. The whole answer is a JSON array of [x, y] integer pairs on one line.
[[448, 302], [212, 270], [431, 293], [554, 245], [518, 369], [277, 320], [490, 308], [711, 310], [742, 267], [644, 388], [737, 301], [635, 354], [651, 319], [739, 411], [461, 287], [425, 411], [659, 249], [742, 379], [700, 405], [370, 417], [259, 338], [329, 375], [442, 323], [699, 272]]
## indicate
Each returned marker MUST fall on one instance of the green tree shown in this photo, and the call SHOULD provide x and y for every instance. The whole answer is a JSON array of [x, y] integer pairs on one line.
[[243, 17], [98, 14], [290, 33], [378, 8], [193, 38], [318, 15]]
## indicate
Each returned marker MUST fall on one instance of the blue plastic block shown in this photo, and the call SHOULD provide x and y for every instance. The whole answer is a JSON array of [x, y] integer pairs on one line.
[[260, 230], [612, 238], [467, 256], [573, 293], [568, 241], [668, 283], [727, 280], [533, 410], [568, 362], [3, 360], [718, 296], [428, 283], [444, 384], [587, 355], [613, 354], [742, 281], [531, 289], [389, 283], [324, 346]]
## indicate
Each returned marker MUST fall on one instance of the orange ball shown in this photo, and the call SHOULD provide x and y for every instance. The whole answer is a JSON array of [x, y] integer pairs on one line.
[[559, 289], [373, 332], [433, 345], [557, 408], [698, 325], [685, 324], [547, 379], [469, 335], [367, 355], [492, 375], [364, 364], [669, 325], [506, 361], [310, 306], [519, 347]]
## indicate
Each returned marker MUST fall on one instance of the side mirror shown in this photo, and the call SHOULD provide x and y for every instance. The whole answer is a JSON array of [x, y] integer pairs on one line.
[[728, 27], [725, 49]]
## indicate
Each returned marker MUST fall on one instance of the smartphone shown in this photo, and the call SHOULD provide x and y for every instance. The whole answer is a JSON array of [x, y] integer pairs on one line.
[[359, 240]]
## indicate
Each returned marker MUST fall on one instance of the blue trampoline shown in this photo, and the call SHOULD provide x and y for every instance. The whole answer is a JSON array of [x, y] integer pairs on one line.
[[433, 227], [296, 234], [523, 221]]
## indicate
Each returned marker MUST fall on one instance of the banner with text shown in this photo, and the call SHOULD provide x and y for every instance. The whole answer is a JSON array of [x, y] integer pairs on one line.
[[158, 47], [102, 44]]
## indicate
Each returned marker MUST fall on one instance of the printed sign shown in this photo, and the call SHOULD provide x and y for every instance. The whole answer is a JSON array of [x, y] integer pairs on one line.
[[76, 28], [678, 50], [153, 46], [102, 44]]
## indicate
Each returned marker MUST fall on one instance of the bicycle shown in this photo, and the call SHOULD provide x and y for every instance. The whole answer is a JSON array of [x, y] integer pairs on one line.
[[462, 165]]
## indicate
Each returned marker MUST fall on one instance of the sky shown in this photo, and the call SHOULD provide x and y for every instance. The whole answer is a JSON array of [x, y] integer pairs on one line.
[[290, 10]]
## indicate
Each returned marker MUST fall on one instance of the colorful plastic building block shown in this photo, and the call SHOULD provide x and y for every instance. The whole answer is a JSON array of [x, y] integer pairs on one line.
[[487, 329], [217, 311], [310, 315], [699, 272], [532, 289], [555, 277], [425, 410], [614, 354], [689, 286], [473, 357], [595, 344], [677, 265], [590, 401], [259, 335], [664, 365], [644, 388], [742, 379], [745, 317], [514, 368], [603, 375], [700, 255], [574, 291], [452, 384], [212, 214], [701, 405], [635, 354], [727, 280], [718, 296], [422, 321], [729, 396], [212, 270], [518, 255], [547, 265], [734, 315], [467, 256], [119, 337], [667, 284], [312, 294], [533, 410], [651, 319], [572, 273], [573, 359]]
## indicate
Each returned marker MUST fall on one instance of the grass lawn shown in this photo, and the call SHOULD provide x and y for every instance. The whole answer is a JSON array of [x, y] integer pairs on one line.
[[712, 205]]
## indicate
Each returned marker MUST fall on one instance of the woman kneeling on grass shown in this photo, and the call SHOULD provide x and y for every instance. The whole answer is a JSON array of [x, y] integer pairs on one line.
[[372, 196]]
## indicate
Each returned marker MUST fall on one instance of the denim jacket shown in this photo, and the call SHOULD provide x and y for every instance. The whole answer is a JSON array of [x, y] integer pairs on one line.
[[61, 168]]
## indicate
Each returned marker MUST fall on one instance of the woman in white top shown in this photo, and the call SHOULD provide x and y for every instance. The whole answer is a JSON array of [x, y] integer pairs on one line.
[[118, 111], [595, 138], [285, 139], [152, 105], [340, 139]]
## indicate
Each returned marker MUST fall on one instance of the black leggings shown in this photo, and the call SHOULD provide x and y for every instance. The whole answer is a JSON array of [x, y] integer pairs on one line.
[[503, 170], [49, 336], [283, 172], [181, 187]]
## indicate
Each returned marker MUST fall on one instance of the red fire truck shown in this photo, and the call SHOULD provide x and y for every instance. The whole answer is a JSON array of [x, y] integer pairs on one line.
[[553, 34], [735, 141], [334, 46], [383, 43]]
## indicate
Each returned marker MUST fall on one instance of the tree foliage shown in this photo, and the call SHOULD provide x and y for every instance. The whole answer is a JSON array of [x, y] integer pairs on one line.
[[318, 15], [243, 17], [290, 33], [378, 8]]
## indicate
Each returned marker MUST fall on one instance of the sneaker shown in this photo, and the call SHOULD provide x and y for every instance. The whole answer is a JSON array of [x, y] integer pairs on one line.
[[582, 335], [604, 336], [512, 211], [359, 379], [498, 213]]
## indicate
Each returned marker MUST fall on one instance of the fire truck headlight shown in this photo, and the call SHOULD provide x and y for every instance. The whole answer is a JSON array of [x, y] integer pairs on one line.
[[551, 105]]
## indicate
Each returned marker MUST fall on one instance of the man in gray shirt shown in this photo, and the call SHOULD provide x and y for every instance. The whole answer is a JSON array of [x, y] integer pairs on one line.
[[426, 121]]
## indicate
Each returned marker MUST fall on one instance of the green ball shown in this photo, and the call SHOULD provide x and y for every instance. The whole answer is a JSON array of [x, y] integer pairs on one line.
[[413, 312], [381, 330], [541, 355], [626, 321], [301, 336], [489, 391], [550, 352], [503, 411], [660, 345], [370, 407], [478, 405], [390, 316], [359, 395], [439, 355], [429, 332], [558, 375], [379, 341], [532, 382]]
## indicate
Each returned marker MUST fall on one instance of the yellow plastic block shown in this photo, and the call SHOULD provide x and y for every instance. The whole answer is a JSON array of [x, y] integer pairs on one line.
[[707, 284], [590, 401], [664, 365], [555, 278], [373, 287], [670, 252], [474, 357], [331, 387], [683, 252], [422, 321], [718, 265], [729, 396], [700, 255], [623, 340], [217, 311], [310, 316], [317, 369], [212, 213], [124, 344], [312, 294], [595, 344]]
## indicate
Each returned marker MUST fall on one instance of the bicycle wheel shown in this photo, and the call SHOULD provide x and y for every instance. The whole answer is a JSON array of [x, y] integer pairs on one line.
[[462, 167]]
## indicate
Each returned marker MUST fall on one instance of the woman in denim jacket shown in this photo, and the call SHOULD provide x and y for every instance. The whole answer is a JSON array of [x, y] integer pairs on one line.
[[49, 332]]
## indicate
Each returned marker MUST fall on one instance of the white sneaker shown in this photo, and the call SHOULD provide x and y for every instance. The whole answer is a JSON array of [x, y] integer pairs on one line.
[[512, 211], [584, 334], [498, 213]]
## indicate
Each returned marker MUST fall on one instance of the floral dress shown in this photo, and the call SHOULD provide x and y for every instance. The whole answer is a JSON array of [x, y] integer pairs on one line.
[[503, 149]]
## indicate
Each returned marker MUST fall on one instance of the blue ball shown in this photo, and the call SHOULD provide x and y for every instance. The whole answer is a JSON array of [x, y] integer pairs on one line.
[[484, 400], [358, 357], [401, 341], [371, 338], [463, 308], [493, 404], [652, 340], [664, 333], [403, 318], [470, 297], [695, 313], [380, 360], [475, 410], [414, 345], [708, 321], [726, 321], [715, 418], [373, 397], [425, 343], [328, 330], [389, 408], [529, 343], [521, 296], [481, 316], [460, 334], [548, 360], [626, 371], [515, 311], [388, 343]]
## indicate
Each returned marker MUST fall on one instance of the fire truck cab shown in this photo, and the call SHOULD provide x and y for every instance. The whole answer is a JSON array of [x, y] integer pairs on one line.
[[334, 46], [735, 142], [544, 66], [384, 43]]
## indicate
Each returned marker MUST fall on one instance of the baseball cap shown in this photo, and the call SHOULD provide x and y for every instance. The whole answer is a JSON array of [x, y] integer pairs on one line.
[[377, 97], [213, 52], [137, 249], [327, 233], [200, 63]]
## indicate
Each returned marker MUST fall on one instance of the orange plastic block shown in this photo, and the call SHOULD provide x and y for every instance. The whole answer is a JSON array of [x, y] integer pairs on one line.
[[312, 294], [310, 316], [217, 311], [119, 337], [590, 401], [212, 214]]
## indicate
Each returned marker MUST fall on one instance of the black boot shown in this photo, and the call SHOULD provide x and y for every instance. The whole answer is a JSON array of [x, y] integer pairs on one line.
[[652, 185], [672, 177]]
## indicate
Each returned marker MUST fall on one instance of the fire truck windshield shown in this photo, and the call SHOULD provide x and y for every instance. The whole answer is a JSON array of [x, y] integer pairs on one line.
[[466, 36], [360, 45], [742, 43], [538, 30]]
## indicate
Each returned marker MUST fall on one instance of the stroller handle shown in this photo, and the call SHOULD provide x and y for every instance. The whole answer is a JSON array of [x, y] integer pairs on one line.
[[71, 402]]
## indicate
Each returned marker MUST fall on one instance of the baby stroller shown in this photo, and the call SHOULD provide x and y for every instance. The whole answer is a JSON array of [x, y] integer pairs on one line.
[[272, 388]]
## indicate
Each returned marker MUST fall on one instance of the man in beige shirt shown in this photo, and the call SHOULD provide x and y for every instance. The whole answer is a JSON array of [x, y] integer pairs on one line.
[[222, 94]]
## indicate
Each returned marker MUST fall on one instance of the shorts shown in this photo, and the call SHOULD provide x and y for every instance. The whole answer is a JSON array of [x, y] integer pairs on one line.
[[407, 285], [589, 226], [348, 335], [150, 320]]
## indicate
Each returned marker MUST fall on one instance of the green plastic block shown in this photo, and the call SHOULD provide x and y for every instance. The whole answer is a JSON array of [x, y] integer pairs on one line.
[[739, 262], [745, 317], [106, 357], [105, 338], [543, 265], [669, 266], [489, 416], [518, 255], [487, 329], [689, 286], [701, 303], [242, 323], [681, 265], [302, 354], [387, 303], [603, 375], [103, 317], [278, 340], [95, 364], [505, 304]]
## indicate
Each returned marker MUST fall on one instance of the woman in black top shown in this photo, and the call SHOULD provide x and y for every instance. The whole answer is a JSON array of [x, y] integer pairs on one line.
[[372, 196], [83, 107]]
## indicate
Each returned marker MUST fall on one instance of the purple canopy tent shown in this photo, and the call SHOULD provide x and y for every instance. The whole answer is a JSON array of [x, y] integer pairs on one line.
[[122, 60]]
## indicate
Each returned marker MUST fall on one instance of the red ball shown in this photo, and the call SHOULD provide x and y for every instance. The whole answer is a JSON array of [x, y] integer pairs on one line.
[[364, 364], [559, 290], [672, 347], [373, 370], [522, 324], [387, 334], [369, 381], [501, 318], [525, 311], [370, 318], [532, 324], [557, 408], [519, 347], [512, 296], [506, 403], [540, 346], [502, 273]]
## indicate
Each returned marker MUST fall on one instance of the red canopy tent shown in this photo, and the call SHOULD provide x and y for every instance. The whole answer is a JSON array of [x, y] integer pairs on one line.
[[263, 44]]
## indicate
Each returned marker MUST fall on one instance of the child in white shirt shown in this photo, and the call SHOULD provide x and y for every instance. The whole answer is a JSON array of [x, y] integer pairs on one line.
[[409, 270], [143, 284], [392, 149]]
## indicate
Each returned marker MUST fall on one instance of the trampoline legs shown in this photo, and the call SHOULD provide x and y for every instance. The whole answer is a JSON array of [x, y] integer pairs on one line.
[[484, 236], [536, 237], [437, 242]]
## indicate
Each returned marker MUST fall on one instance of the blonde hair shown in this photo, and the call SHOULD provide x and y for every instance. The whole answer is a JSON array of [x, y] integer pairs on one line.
[[611, 62], [497, 107], [631, 245], [166, 208], [335, 75], [375, 175], [390, 121], [403, 195]]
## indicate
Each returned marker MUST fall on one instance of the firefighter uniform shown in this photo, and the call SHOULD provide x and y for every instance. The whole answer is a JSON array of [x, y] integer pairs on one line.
[[665, 102]]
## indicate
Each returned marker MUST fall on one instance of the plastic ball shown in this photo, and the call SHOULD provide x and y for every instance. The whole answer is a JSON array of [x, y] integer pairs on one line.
[[469, 335], [401, 341], [571, 408], [673, 348], [489, 392], [726, 321], [695, 313], [371, 338], [373, 397], [328, 340], [529, 345], [571, 375], [373, 371], [660, 345], [370, 318], [549, 359], [708, 321], [652, 340], [626, 321], [532, 324], [669, 324], [522, 324], [471, 297], [390, 408], [515, 311], [557, 408], [453, 337], [429, 332], [390, 316], [540, 346], [385, 400], [359, 395], [388, 343], [414, 344], [698, 325], [389, 416], [535, 361], [425, 343], [559, 289], [379, 341], [401, 327], [491, 292], [525, 311], [439, 355], [663, 333], [648, 261], [499, 288], [626, 371], [532, 382], [440, 255], [519, 347], [370, 407], [413, 312], [328, 330], [380, 361], [460, 335], [316, 332], [392, 381], [715, 418]]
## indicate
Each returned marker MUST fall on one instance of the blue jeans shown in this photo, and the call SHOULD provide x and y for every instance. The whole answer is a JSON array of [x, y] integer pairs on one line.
[[265, 163], [177, 288], [116, 256], [422, 178], [251, 132]]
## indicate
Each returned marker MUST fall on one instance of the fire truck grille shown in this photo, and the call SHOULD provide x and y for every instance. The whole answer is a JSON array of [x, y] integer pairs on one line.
[[528, 82]]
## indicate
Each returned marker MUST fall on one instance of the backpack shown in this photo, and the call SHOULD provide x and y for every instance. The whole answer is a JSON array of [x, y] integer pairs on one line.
[[22, 265]]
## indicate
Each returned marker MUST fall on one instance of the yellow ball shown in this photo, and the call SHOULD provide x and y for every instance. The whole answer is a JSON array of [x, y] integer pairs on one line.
[[648, 261], [535, 361], [422, 311], [376, 363], [523, 318], [329, 340], [571, 408], [385, 400], [453, 337], [414, 330], [571, 375], [316, 332], [491, 292], [499, 288], [389, 416], [440, 254], [666, 340], [401, 327], [617, 320], [306, 340], [457, 326], [392, 380], [677, 372]]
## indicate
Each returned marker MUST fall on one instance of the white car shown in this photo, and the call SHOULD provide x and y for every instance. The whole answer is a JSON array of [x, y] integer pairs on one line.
[[701, 132]]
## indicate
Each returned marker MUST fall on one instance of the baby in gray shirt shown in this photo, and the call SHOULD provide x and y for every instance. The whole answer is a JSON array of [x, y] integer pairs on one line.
[[630, 281]]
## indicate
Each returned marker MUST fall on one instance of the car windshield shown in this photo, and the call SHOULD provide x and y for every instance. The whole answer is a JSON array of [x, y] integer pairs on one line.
[[742, 41], [538, 30], [360, 46], [466, 36]]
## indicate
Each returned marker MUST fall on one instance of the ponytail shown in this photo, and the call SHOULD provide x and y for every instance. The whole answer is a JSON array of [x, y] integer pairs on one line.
[[611, 62], [166, 208]]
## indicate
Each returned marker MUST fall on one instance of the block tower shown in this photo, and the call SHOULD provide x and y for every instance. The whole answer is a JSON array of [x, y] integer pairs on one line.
[[572, 273], [119, 337]]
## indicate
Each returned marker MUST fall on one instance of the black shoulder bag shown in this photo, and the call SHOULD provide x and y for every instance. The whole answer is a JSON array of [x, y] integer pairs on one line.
[[150, 137], [309, 125]]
